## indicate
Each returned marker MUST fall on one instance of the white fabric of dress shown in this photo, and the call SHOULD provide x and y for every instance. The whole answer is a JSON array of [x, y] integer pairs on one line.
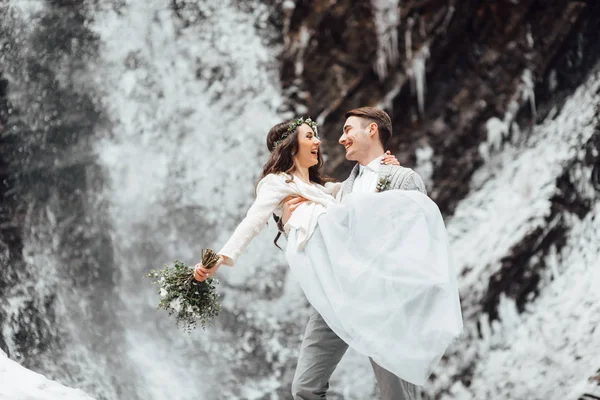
[[375, 266]]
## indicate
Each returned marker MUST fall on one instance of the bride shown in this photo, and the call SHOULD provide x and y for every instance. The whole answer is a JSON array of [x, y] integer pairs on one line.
[[374, 265]]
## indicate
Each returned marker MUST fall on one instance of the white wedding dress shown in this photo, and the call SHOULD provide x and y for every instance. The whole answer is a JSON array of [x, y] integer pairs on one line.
[[376, 267]]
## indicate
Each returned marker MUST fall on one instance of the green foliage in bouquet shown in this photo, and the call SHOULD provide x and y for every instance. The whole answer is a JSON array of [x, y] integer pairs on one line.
[[191, 302]]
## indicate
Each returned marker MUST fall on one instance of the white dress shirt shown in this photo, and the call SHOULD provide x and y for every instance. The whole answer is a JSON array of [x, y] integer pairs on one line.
[[366, 181]]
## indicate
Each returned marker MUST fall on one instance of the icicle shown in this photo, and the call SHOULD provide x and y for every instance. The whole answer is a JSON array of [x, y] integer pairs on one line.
[[579, 48], [422, 29], [508, 315], [497, 130], [530, 41], [484, 151], [528, 90], [448, 17], [552, 81], [418, 69], [380, 67], [288, 5], [300, 48], [553, 262], [408, 39], [387, 20], [320, 120], [515, 132], [485, 329]]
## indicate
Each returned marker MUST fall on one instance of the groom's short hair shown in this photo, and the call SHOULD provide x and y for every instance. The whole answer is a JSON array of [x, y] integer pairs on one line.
[[380, 117]]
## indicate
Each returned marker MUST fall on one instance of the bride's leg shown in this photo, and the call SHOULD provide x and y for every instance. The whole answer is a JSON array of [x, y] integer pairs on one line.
[[320, 353], [392, 387]]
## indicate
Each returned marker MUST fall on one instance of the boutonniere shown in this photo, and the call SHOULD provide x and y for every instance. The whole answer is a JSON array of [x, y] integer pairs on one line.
[[383, 183]]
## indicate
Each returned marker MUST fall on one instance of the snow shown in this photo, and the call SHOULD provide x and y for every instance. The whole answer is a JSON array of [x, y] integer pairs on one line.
[[19, 383], [552, 341], [26, 9], [544, 352]]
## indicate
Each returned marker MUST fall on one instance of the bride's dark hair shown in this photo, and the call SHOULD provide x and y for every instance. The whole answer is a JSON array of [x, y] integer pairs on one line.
[[282, 155], [282, 158]]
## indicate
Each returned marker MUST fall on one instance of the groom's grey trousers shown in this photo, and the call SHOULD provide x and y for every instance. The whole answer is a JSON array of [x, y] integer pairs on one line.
[[320, 353]]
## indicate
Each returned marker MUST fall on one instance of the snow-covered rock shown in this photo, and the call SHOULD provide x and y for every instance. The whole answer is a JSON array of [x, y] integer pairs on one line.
[[19, 383]]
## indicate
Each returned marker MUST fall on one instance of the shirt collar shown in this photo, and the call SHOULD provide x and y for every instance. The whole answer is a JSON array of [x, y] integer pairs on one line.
[[372, 166]]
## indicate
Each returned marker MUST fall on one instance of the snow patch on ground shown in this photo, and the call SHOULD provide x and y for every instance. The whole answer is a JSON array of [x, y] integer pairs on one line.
[[19, 383]]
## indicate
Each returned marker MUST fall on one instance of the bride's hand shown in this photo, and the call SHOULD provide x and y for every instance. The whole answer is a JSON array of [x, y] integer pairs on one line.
[[389, 158], [201, 274]]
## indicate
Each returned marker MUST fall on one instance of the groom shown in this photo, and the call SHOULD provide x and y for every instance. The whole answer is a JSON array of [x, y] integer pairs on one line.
[[366, 133]]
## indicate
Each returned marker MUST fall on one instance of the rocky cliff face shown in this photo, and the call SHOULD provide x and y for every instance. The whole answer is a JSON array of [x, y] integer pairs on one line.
[[117, 153], [444, 70], [463, 82]]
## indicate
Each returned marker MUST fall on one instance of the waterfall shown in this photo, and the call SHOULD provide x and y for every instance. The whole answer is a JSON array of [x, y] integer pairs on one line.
[[190, 97], [183, 96]]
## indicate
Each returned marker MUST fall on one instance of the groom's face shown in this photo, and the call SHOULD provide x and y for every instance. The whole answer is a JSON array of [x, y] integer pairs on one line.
[[355, 138]]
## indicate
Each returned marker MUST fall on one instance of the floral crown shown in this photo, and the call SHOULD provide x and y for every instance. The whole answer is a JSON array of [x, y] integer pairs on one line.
[[293, 125]]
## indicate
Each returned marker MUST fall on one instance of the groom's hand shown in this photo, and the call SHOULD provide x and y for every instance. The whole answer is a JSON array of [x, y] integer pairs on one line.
[[289, 206]]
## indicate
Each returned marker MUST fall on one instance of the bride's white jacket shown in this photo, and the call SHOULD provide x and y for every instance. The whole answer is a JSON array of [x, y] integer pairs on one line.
[[270, 193]]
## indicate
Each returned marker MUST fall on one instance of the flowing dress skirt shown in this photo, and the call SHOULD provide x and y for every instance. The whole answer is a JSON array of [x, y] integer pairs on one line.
[[377, 268]]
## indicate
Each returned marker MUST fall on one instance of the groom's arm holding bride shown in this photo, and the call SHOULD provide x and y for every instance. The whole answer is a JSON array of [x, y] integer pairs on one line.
[[291, 203], [399, 181]]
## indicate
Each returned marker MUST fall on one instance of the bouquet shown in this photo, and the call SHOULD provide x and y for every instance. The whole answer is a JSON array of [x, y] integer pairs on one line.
[[180, 294]]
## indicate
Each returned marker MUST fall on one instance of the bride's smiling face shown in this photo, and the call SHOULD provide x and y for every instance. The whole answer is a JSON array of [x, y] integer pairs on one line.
[[308, 147]]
